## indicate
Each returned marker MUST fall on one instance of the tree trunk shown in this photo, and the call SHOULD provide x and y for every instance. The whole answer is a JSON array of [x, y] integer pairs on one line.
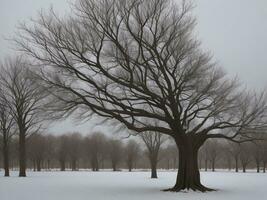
[[38, 164], [188, 174], [62, 165], [22, 155], [213, 165], [154, 169], [244, 168], [206, 164], [114, 166], [236, 164], [73, 165], [6, 158], [258, 166], [264, 167]]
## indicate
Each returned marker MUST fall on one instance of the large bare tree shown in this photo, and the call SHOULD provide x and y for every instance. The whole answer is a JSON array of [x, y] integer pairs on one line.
[[137, 62], [24, 99]]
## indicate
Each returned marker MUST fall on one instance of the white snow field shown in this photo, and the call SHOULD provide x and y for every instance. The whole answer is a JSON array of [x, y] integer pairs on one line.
[[87, 185]]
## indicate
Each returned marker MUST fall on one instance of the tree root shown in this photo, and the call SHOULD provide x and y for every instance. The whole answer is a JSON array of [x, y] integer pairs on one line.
[[197, 187]]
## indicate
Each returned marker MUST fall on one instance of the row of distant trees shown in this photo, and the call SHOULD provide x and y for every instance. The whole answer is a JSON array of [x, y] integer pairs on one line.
[[97, 151]]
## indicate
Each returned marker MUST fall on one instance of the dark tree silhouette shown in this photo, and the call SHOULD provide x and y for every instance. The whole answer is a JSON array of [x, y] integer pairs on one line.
[[95, 144], [7, 129], [137, 62], [132, 153], [245, 156], [115, 149], [61, 151], [24, 100], [153, 142], [36, 150]]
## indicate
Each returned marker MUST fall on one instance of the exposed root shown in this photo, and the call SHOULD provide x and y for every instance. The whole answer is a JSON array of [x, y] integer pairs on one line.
[[197, 187]]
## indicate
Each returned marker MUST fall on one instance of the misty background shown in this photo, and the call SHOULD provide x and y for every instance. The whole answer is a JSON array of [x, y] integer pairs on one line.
[[233, 31]]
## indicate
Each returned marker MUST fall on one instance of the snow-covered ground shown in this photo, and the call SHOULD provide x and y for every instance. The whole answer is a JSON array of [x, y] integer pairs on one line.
[[87, 185]]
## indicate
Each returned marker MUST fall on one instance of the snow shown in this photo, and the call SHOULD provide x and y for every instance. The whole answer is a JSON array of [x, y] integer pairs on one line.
[[84, 185]]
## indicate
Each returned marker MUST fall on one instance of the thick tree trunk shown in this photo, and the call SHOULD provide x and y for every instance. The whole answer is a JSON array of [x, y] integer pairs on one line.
[[22, 155], [188, 174], [6, 158]]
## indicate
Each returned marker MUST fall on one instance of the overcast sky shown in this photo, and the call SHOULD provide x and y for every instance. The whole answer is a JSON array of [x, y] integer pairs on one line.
[[234, 31]]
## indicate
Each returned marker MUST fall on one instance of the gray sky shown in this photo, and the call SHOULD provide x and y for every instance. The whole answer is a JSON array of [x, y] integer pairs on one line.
[[234, 31]]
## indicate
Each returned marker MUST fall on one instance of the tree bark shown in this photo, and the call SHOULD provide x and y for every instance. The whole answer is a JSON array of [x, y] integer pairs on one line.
[[6, 158], [188, 176], [154, 169], [22, 155]]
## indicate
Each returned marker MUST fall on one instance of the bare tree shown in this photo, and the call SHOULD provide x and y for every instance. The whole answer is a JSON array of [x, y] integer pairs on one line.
[[24, 99], [115, 152], [227, 156], [235, 150], [213, 151], [245, 156], [264, 155], [135, 62], [62, 152], [257, 153], [95, 148], [132, 151], [7, 130], [36, 150], [153, 142], [74, 149], [50, 150]]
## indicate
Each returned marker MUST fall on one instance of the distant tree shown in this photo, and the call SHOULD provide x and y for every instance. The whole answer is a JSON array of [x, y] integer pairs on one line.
[[61, 151], [245, 156], [37, 149], [257, 154], [115, 148], [227, 155], [50, 150], [235, 150], [24, 99], [264, 155], [7, 130], [169, 156], [132, 151], [213, 151], [74, 149], [95, 147], [153, 142]]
